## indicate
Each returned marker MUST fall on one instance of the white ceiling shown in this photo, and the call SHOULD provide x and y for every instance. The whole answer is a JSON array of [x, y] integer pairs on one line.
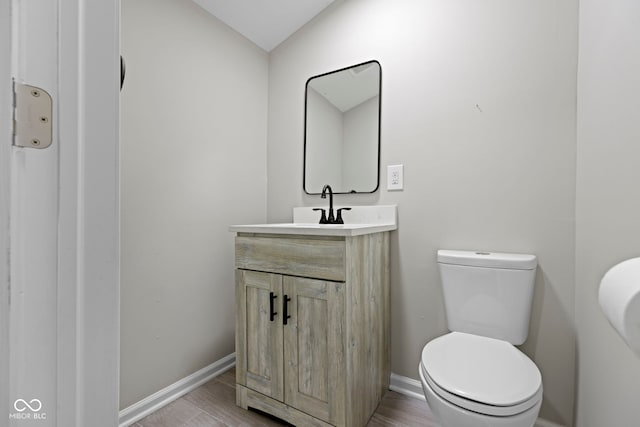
[[267, 23]]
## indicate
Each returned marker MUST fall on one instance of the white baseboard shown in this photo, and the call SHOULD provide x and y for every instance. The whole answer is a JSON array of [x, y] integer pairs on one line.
[[406, 386], [413, 388], [150, 404], [541, 422]]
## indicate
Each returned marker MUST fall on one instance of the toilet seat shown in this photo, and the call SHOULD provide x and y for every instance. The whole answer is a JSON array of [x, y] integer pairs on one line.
[[481, 374]]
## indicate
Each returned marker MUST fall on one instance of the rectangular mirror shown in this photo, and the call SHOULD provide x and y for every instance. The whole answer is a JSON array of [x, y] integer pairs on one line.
[[342, 130]]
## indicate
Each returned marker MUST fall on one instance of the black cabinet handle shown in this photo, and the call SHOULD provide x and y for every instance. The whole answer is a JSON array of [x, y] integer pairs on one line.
[[272, 314], [286, 309]]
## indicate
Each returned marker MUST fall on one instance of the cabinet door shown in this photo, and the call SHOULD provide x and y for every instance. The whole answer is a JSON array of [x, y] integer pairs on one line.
[[259, 340], [314, 348]]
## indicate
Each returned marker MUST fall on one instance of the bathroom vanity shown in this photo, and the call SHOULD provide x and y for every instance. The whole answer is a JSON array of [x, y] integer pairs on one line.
[[312, 323]]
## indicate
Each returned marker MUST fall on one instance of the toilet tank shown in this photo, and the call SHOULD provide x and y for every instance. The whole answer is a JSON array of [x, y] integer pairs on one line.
[[487, 293]]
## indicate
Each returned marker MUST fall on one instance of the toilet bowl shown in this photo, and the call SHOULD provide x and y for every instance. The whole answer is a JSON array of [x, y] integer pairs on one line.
[[473, 381], [474, 376]]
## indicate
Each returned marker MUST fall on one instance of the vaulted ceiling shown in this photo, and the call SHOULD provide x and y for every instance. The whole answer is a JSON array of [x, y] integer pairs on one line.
[[267, 23]]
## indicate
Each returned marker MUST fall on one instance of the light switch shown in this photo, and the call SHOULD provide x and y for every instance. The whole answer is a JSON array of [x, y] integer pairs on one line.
[[395, 180]]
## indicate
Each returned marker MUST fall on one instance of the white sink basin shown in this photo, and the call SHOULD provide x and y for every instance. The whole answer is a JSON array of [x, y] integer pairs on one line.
[[360, 220]]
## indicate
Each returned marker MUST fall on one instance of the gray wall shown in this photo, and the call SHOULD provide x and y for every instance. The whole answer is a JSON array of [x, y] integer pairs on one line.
[[608, 203], [478, 103], [323, 143], [341, 147], [360, 139], [193, 150]]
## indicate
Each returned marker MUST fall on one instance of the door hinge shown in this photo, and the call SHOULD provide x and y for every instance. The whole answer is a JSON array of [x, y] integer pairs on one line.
[[32, 116]]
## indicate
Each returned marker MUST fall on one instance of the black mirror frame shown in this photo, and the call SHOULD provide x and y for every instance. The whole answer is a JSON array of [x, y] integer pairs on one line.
[[304, 151]]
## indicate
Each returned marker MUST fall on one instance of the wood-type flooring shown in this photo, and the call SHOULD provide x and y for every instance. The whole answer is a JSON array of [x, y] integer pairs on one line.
[[214, 405]]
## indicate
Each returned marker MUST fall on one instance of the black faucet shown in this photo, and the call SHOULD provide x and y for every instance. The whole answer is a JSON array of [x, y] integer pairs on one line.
[[331, 219]]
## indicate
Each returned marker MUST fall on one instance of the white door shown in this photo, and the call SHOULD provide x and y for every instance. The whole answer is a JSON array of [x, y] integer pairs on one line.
[[59, 287], [5, 134]]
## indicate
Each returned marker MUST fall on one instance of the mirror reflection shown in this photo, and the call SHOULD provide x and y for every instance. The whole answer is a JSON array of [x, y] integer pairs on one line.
[[342, 130]]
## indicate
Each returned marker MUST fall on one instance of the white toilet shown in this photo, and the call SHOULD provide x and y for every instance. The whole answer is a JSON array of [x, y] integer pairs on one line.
[[474, 376]]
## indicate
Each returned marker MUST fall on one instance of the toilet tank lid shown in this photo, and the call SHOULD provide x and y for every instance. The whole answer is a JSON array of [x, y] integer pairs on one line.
[[488, 259]]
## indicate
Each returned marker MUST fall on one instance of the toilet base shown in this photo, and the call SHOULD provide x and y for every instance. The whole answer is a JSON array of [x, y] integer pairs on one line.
[[449, 415]]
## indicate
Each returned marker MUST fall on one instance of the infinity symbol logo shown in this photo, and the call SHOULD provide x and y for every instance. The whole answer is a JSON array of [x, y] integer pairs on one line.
[[21, 405]]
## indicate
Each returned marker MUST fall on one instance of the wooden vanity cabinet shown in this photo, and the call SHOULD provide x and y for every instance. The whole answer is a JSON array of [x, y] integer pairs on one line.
[[312, 326]]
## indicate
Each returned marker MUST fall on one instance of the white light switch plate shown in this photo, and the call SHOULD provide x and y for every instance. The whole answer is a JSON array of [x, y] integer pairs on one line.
[[395, 179]]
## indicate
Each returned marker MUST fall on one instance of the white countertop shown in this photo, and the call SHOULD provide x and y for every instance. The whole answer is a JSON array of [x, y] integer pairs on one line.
[[358, 221]]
